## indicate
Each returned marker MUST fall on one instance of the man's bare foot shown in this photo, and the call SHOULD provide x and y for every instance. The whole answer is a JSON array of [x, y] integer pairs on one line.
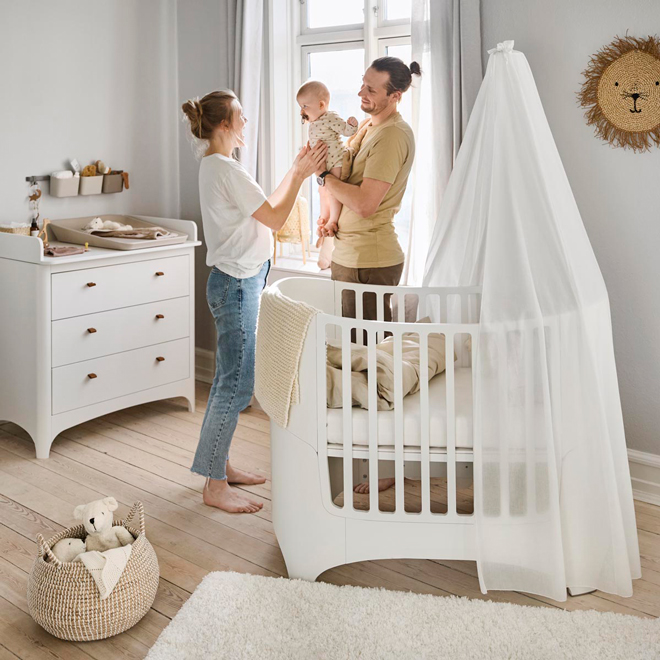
[[383, 484], [218, 493], [236, 476]]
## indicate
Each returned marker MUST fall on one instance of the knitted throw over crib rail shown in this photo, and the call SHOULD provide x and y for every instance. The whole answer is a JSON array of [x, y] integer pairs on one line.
[[281, 331]]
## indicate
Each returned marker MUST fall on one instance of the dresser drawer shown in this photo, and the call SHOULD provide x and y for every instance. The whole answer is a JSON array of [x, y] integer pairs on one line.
[[94, 335], [86, 383], [92, 290]]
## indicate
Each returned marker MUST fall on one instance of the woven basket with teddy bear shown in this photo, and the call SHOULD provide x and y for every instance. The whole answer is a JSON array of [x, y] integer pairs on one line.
[[67, 591]]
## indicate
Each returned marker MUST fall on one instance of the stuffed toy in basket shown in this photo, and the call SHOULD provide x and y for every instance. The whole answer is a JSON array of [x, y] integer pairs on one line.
[[64, 599]]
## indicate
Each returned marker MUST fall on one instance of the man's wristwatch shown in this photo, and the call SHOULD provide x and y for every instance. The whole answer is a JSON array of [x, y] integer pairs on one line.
[[321, 178]]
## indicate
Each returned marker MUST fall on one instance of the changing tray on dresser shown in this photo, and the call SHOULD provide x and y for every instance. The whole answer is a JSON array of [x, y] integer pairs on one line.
[[85, 335]]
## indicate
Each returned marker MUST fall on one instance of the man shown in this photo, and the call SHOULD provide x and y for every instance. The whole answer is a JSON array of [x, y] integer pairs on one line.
[[367, 250]]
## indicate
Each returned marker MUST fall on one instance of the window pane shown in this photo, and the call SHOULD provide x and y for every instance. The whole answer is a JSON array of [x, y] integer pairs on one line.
[[325, 14], [341, 71], [402, 218], [396, 10]]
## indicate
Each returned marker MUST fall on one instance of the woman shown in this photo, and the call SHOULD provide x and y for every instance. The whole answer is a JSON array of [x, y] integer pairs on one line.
[[238, 219]]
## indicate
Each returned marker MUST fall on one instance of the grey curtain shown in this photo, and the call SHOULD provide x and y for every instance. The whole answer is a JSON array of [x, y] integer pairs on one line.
[[245, 65]]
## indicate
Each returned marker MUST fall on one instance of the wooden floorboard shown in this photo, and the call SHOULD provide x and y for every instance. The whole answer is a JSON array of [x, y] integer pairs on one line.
[[144, 453]]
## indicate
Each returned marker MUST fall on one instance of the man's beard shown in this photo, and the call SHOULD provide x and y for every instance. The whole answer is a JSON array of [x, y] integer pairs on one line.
[[373, 109]]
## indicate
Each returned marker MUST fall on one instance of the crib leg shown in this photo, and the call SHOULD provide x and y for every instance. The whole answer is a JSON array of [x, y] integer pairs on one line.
[[312, 540], [580, 591]]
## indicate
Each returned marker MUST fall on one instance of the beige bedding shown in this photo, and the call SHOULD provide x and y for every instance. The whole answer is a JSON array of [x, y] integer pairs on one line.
[[410, 369]]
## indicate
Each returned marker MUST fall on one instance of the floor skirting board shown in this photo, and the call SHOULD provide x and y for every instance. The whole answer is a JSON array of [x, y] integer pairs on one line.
[[204, 365], [645, 475], [644, 467]]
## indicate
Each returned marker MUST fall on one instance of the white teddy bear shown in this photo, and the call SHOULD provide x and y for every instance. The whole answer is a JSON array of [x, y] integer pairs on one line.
[[97, 518], [68, 549]]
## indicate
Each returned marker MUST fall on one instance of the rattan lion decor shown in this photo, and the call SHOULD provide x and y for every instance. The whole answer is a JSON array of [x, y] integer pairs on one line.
[[621, 93]]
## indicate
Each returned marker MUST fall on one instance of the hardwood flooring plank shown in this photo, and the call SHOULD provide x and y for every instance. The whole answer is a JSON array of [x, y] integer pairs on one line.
[[144, 453], [28, 490]]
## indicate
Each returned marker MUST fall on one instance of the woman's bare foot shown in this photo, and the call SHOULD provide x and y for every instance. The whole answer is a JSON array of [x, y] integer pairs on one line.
[[383, 484], [236, 476], [218, 493]]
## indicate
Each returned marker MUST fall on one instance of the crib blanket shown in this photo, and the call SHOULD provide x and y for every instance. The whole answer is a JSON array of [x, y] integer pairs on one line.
[[281, 331], [410, 370]]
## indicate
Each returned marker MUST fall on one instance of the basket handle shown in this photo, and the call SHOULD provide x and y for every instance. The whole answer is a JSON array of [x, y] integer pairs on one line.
[[137, 508], [44, 548]]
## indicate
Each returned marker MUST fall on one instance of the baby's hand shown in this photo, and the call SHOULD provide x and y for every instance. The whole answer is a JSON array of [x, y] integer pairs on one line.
[[352, 121]]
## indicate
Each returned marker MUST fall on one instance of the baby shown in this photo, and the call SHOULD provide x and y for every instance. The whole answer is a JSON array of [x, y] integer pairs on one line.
[[325, 125]]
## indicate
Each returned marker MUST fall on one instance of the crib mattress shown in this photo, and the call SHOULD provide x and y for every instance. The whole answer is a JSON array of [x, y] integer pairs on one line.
[[411, 417]]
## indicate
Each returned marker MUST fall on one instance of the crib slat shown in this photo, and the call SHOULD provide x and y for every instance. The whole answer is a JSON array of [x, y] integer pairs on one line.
[[401, 306], [425, 422], [504, 423], [451, 423], [530, 450], [373, 422], [359, 314], [554, 375], [347, 415], [398, 424], [443, 308], [321, 382], [380, 313]]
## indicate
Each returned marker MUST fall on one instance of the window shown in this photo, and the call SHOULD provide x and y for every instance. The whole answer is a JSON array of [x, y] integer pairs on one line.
[[333, 42]]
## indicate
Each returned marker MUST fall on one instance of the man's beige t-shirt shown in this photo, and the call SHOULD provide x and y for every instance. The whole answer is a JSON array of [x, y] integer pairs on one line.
[[386, 154]]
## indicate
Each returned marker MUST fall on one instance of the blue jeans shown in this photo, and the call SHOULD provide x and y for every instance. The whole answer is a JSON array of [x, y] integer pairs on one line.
[[234, 304]]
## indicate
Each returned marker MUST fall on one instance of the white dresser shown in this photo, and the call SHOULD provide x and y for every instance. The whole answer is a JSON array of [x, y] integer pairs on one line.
[[85, 335]]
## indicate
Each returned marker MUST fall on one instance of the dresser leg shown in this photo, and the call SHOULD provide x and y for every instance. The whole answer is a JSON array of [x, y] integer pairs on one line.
[[191, 404], [42, 445]]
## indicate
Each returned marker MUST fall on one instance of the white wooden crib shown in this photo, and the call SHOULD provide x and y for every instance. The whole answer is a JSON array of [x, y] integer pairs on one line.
[[428, 434]]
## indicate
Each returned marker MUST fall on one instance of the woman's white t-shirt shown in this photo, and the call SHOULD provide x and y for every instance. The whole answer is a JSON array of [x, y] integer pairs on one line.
[[237, 244]]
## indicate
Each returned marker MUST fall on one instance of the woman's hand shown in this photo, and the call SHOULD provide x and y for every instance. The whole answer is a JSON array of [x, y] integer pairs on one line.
[[310, 160]]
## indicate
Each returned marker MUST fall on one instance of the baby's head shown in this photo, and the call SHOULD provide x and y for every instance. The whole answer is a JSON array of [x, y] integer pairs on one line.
[[313, 98]]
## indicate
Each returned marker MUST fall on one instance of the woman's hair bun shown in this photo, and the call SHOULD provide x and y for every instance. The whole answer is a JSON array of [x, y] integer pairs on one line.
[[415, 69]]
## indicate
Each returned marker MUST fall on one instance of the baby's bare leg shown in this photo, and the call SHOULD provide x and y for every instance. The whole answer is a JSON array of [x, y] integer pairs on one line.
[[324, 213], [335, 206]]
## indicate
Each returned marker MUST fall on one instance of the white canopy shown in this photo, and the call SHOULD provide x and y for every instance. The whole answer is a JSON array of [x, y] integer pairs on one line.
[[553, 497]]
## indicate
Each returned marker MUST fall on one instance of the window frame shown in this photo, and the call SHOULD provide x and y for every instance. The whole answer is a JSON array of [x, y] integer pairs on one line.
[[290, 41]]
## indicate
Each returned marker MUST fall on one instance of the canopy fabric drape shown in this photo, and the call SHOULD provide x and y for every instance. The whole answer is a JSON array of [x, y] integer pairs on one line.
[[553, 497], [446, 41]]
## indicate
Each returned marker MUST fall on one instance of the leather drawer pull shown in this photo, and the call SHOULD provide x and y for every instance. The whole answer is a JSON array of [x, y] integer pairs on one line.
[[160, 273], [91, 376], [91, 284], [160, 316], [160, 359], [91, 330]]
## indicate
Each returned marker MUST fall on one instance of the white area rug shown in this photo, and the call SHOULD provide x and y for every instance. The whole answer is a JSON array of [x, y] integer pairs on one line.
[[246, 616]]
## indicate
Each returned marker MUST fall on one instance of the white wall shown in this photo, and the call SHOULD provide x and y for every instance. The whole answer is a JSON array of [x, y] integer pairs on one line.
[[202, 67], [618, 192], [90, 80]]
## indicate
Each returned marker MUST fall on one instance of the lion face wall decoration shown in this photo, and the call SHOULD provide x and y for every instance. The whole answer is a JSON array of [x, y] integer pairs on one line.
[[621, 92]]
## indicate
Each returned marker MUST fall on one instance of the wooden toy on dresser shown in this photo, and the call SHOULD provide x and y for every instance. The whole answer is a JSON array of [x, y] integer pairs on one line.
[[87, 334]]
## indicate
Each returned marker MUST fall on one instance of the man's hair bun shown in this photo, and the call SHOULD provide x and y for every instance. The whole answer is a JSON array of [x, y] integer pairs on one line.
[[415, 69]]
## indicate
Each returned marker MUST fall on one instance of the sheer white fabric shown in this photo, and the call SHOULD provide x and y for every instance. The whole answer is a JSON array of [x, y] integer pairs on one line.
[[446, 41], [553, 498]]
